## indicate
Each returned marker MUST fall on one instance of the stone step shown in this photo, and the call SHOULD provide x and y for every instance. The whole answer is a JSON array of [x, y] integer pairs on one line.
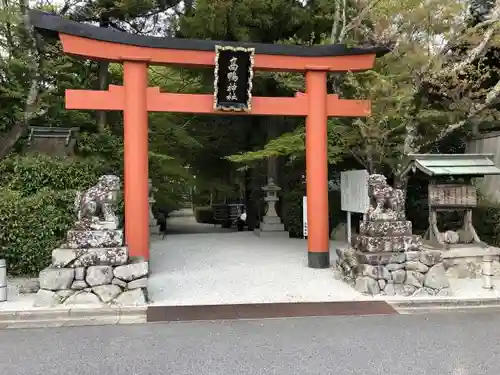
[[74, 258]]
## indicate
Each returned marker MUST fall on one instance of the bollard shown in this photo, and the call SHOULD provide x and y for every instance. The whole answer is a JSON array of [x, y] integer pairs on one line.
[[487, 272], [3, 280]]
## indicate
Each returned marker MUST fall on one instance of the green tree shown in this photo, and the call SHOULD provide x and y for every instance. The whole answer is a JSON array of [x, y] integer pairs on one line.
[[421, 64]]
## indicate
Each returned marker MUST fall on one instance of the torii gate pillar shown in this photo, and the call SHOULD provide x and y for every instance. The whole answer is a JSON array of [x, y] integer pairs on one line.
[[136, 145], [318, 239]]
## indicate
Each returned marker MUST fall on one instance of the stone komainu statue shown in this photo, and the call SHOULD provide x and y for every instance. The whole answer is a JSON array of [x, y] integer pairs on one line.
[[99, 201], [387, 203]]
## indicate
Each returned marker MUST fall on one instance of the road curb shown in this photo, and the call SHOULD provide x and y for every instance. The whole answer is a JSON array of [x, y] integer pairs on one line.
[[113, 315], [42, 318], [443, 304], [250, 311]]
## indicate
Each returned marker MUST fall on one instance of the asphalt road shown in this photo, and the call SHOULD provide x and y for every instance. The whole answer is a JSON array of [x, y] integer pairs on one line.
[[439, 344]]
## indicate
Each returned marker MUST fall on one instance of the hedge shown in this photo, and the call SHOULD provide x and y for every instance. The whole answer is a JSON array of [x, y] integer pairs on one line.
[[204, 215], [32, 226], [36, 206], [30, 173]]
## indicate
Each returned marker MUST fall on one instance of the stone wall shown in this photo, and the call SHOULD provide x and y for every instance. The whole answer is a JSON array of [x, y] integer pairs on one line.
[[410, 273], [107, 280], [387, 259]]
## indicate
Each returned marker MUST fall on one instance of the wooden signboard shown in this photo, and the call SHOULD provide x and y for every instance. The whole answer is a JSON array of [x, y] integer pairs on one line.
[[233, 78], [452, 195]]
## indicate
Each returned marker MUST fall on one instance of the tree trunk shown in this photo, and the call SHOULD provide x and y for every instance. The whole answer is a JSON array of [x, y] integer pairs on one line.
[[103, 85], [272, 133], [102, 81], [8, 141]]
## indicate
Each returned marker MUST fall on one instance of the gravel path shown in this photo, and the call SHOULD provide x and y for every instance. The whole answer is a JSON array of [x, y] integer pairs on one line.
[[236, 267]]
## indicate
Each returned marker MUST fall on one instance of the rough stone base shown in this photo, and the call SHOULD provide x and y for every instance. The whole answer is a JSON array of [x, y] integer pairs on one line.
[[413, 273], [97, 284]]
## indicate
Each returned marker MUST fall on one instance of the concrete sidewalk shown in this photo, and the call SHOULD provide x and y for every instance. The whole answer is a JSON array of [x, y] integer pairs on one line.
[[75, 316]]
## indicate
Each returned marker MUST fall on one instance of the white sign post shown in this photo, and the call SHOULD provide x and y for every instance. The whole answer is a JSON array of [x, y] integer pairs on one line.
[[304, 216], [354, 195]]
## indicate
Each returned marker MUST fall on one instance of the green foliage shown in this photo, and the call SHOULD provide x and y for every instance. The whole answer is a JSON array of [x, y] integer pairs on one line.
[[32, 226], [201, 198], [292, 145], [30, 174], [106, 146], [292, 211], [288, 144], [204, 215], [486, 220], [37, 206], [255, 20]]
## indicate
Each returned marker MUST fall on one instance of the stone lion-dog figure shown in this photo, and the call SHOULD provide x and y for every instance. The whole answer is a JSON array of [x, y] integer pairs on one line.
[[99, 201]]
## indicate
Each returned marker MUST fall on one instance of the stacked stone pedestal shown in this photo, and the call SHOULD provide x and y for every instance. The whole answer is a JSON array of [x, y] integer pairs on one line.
[[389, 260], [93, 267], [271, 226]]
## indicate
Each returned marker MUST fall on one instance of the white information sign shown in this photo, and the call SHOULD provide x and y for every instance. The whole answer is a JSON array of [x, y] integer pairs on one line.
[[354, 191], [353, 195], [304, 216]]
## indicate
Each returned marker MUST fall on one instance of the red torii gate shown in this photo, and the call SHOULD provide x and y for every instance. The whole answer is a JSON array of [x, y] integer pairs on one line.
[[136, 99]]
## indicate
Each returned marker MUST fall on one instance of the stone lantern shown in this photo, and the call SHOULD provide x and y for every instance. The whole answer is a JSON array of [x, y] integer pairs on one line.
[[271, 224], [154, 228]]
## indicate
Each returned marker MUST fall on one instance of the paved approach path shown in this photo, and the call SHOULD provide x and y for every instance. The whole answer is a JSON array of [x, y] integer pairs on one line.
[[183, 222], [437, 344], [197, 264]]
